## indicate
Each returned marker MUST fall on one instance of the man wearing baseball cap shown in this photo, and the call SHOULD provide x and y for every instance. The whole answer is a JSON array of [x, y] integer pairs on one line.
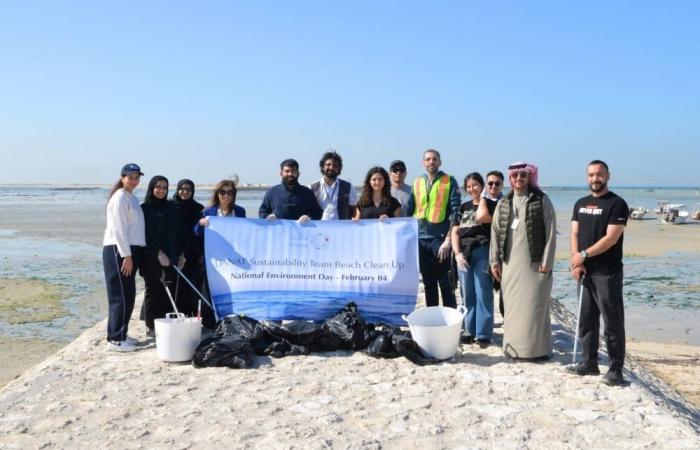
[[399, 189]]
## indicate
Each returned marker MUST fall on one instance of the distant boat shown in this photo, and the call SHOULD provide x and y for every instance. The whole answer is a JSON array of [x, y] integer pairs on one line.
[[637, 213], [660, 205], [675, 214]]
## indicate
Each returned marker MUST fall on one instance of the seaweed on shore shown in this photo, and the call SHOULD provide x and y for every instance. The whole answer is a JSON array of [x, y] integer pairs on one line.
[[29, 301]]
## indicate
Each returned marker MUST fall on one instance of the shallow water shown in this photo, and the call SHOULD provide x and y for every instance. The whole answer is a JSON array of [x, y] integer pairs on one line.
[[58, 240]]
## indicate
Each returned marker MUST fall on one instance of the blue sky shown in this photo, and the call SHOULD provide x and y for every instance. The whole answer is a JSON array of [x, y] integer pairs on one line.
[[207, 89]]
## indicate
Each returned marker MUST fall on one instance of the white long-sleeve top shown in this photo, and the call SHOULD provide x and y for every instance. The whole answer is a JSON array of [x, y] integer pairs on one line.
[[125, 223]]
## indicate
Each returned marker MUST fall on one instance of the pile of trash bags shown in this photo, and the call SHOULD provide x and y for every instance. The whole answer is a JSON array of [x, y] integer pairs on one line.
[[238, 339]]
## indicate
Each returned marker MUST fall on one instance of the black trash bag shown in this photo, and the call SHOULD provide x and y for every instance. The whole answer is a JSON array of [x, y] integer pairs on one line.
[[380, 344], [248, 328], [349, 328], [284, 348], [297, 332], [407, 347], [226, 351]]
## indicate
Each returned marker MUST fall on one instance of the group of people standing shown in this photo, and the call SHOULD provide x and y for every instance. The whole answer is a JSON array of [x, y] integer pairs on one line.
[[507, 242], [153, 238]]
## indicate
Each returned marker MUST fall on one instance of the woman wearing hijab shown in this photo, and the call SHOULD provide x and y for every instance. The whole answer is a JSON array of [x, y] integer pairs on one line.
[[189, 212], [523, 241], [162, 251], [470, 244], [123, 240], [376, 201]]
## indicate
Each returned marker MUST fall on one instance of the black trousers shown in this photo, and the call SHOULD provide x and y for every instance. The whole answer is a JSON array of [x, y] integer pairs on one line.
[[187, 300], [121, 291], [434, 273], [156, 303], [602, 294]]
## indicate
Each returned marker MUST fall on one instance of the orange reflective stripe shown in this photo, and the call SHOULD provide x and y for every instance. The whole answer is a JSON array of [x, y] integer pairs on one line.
[[420, 197], [437, 202], [431, 206]]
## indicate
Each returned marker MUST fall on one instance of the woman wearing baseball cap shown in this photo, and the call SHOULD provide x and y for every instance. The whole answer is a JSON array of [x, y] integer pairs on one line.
[[123, 240]]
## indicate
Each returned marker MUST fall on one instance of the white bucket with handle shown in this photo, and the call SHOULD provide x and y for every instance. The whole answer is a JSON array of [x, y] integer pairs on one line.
[[177, 336], [436, 330]]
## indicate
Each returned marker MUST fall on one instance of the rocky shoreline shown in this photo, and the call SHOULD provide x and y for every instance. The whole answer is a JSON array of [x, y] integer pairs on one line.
[[85, 397]]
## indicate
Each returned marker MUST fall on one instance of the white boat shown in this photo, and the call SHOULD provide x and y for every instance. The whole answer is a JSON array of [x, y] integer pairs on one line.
[[675, 214], [660, 205], [637, 213]]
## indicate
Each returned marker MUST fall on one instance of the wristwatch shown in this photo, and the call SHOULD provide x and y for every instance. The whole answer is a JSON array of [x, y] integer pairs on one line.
[[584, 254]]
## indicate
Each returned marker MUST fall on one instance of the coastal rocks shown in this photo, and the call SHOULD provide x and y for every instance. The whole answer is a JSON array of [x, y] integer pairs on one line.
[[85, 397]]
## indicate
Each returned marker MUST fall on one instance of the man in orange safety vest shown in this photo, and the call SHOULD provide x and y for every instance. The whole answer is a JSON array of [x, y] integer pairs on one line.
[[434, 201]]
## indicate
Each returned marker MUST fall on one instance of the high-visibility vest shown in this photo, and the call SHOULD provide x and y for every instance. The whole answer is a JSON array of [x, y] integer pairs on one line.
[[431, 206]]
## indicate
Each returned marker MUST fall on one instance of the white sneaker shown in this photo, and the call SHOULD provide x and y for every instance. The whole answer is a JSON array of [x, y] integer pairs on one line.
[[131, 341], [120, 346]]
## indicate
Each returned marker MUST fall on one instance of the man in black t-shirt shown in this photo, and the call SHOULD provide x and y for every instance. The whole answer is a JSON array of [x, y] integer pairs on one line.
[[597, 228]]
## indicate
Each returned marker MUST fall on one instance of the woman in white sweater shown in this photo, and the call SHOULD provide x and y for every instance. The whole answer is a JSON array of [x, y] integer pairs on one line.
[[124, 237]]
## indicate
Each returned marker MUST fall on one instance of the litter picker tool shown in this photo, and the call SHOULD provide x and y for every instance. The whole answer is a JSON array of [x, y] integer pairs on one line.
[[578, 317], [179, 272], [167, 291]]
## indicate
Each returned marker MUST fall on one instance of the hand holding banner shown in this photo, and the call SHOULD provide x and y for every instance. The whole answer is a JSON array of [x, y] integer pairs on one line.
[[286, 270]]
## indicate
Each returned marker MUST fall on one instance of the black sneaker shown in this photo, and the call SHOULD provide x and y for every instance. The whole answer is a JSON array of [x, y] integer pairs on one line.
[[483, 343], [583, 369], [466, 339], [614, 378]]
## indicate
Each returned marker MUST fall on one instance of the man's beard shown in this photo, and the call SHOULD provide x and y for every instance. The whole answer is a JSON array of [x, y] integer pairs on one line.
[[290, 180], [598, 187], [331, 174]]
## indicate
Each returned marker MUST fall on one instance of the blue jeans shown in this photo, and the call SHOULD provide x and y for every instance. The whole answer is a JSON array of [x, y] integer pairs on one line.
[[477, 294]]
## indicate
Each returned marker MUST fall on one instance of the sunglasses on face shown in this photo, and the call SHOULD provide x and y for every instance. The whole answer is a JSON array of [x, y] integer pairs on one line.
[[521, 174], [398, 170], [493, 183], [226, 192]]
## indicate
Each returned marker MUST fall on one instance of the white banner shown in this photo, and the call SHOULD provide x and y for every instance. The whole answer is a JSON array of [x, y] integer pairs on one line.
[[283, 270]]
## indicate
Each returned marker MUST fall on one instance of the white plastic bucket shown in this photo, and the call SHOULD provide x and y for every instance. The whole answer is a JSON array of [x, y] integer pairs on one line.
[[177, 336], [436, 330]]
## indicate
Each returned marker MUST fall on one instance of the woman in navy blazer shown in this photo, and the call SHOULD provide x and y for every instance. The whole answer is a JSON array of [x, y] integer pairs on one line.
[[222, 204]]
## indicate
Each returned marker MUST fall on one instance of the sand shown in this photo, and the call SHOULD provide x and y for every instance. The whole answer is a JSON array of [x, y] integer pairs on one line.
[[86, 397], [19, 354], [677, 364]]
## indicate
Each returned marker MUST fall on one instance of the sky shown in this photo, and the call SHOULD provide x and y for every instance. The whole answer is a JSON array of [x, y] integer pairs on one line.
[[208, 89]]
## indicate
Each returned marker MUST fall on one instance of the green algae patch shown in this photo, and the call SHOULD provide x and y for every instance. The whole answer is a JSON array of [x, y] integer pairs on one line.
[[29, 301]]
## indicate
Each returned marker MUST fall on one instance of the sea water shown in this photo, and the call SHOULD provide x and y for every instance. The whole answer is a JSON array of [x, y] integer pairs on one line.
[[54, 234]]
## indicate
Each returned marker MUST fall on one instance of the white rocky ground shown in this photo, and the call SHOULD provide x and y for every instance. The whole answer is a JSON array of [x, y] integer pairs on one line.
[[85, 397]]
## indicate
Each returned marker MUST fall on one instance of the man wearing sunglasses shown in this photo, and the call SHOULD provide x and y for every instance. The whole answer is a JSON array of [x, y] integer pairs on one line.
[[399, 190], [484, 214], [434, 202], [597, 228], [523, 243]]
